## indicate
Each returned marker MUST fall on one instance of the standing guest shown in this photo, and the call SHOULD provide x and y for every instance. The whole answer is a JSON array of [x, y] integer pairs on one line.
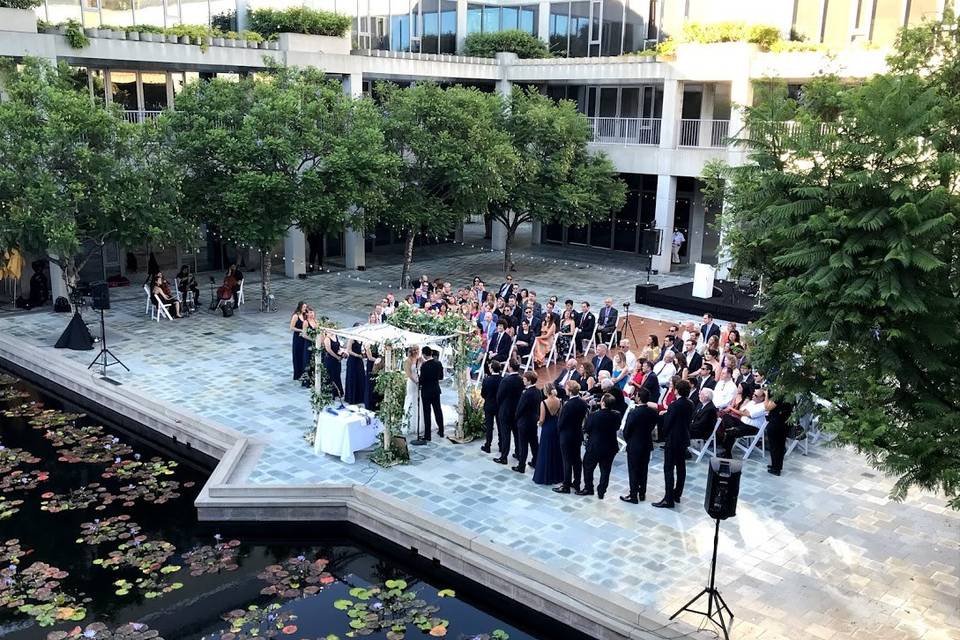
[[705, 416], [601, 448], [549, 467], [709, 328], [677, 242], [778, 413], [297, 344], [308, 364], [528, 412], [431, 373], [570, 428], [333, 356], [187, 283], [606, 322], [569, 373], [677, 426], [651, 351], [586, 324], [601, 361], [508, 397], [565, 332], [371, 357], [638, 433], [355, 387], [544, 342], [488, 391]]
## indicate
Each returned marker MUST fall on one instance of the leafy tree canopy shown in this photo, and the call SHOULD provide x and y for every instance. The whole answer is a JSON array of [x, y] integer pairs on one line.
[[851, 215]]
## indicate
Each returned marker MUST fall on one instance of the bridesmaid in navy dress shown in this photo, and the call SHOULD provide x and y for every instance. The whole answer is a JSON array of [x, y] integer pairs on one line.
[[297, 344], [355, 388], [332, 356], [307, 364], [549, 469]]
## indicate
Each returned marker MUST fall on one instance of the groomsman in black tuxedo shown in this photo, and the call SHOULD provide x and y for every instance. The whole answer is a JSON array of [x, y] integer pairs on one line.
[[488, 391], [638, 433], [676, 424], [602, 446], [528, 412], [508, 397], [431, 373], [606, 322], [650, 381], [586, 324], [568, 306], [569, 373], [570, 427], [601, 361]]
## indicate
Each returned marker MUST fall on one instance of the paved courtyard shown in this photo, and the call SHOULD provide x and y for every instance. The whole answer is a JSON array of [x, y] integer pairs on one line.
[[820, 552]]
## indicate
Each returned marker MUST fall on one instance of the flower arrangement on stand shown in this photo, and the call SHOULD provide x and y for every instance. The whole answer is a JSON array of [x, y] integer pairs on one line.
[[473, 425]]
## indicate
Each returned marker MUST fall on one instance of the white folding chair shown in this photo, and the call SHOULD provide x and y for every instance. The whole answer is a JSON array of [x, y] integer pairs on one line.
[[749, 443], [707, 446], [590, 344], [161, 309], [529, 361], [148, 309], [483, 365], [571, 350], [240, 299], [804, 442]]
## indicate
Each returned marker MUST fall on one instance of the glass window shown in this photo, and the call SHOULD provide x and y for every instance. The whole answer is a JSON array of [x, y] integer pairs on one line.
[[123, 89], [509, 18], [148, 12], [559, 27], [154, 91], [528, 19], [474, 18], [634, 28], [448, 26], [608, 102], [491, 19], [612, 33], [91, 13], [172, 13], [63, 10], [96, 82], [400, 32], [194, 12], [579, 29], [629, 102]]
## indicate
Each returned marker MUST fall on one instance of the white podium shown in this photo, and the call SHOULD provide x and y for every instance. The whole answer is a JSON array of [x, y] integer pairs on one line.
[[703, 277]]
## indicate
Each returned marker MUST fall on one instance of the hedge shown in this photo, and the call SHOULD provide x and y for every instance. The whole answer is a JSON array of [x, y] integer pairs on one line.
[[20, 4], [486, 45], [270, 22]]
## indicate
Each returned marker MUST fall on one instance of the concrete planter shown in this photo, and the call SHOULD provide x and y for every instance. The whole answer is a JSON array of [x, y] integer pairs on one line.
[[229, 42], [316, 44], [219, 42], [252, 44], [274, 45], [104, 34], [148, 37], [90, 33], [20, 20], [185, 40], [172, 39], [133, 35]]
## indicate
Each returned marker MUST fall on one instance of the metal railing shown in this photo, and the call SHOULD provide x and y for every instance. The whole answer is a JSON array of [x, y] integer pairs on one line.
[[704, 133], [140, 116], [640, 131]]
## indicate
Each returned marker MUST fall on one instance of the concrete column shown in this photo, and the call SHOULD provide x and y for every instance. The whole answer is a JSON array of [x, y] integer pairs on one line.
[[353, 85], [461, 24], [354, 250], [107, 87], [58, 289], [672, 109], [536, 231], [741, 95], [295, 252], [697, 227], [171, 94], [543, 21], [665, 210], [706, 115], [498, 236], [505, 61], [242, 7]]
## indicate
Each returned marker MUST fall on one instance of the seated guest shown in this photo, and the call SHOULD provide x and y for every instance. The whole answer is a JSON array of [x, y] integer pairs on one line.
[[670, 395], [606, 322], [229, 286], [650, 381], [712, 358], [621, 372], [607, 385], [725, 390], [703, 379], [535, 322], [629, 358], [500, 344], [525, 339], [532, 301], [712, 343], [586, 324], [651, 350], [666, 369], [488, 326], [187, 284], [565, 331], [549, 312], [543, 343], [704, 417], [744, 421], [569, 373], [506, 287], [238, 280], [587, 381], [602, 362], [162, 296], [692, 359]]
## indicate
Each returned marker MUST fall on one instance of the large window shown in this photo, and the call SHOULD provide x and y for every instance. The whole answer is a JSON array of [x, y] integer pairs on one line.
[[63, 10], [611, 34], [559, 27], [124, 89], [154, 91], [579, 29]]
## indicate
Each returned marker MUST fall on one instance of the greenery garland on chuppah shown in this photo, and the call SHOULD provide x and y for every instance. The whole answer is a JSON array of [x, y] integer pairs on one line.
[[320, 396], [391, 385]]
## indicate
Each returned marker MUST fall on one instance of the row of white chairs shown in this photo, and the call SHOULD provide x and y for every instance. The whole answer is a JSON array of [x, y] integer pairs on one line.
[[156, 309]]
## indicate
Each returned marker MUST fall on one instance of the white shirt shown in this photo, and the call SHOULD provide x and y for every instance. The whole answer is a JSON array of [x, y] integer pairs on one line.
[[664, 371], [678, 238], [630, 359], [756, 414], [724, 393]]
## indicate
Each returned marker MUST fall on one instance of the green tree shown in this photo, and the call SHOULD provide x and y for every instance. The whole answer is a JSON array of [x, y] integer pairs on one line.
[[287, 148], [74, 176], [455, 159], [557, 179], [851, 215]]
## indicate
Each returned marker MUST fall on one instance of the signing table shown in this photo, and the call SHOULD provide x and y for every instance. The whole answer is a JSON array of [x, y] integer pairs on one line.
[[343, 431]]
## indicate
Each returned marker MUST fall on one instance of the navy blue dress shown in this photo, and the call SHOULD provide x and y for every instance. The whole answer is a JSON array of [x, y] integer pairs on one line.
[[298, 345], [356, 385], [332, 366], [549, 469]]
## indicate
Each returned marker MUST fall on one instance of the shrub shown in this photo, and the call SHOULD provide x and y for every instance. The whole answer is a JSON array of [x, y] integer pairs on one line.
[[270, 22], [225, 21], [20, 4], [486, 45], [707, 33], [75, 36], [144, 28]]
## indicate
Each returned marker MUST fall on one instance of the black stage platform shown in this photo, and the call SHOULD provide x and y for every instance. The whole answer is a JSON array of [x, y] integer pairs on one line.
[[730, 305]]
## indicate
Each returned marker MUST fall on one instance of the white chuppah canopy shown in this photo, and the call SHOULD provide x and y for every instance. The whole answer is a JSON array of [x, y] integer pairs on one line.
[[380, 333]]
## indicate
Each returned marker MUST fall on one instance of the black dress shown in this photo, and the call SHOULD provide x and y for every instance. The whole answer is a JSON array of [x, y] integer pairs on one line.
[[549, 469], [356, 376], [370, 400], [332, 366], [298, 346], [527, 337]]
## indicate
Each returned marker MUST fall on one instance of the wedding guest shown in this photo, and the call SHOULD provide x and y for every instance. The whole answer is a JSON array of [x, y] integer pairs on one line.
[[570, 428], [778, 414], [704, 417], [355, 385], [544, 342], [638, 434], [585, 325], [587, 379], [606, 322], [488, 391], [508, 397], [566, 331], [308, 363], [747, 420], [297, 345], [528, 412], [371, 357], [651, 350], [601, 361], [621, 372], [677, 425], [629, 358], [549, 467], [525, 339], [333, 356], [569, 373], [601, 446]]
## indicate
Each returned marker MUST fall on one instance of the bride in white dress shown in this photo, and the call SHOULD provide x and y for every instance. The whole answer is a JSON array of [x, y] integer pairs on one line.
[[412, 406]]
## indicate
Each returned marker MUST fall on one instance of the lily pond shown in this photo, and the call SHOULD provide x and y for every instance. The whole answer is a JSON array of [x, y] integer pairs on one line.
[[99, 540]]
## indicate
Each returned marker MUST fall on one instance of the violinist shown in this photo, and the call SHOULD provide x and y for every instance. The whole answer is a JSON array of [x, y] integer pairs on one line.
[[161, 292]]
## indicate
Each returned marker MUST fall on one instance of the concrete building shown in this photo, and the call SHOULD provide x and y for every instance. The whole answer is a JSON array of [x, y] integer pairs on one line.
[[659, 120]]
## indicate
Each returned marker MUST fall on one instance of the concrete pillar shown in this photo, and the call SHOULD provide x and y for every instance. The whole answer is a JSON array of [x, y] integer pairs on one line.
[[741, 95], [706, 115], [353, 85], [543, 21], [295, 252], [672, 109], [461, 24], [107, 87], [665, 210], [243, 6], [58, 288], [505, 60], [536, 231], [354, 250], [498, 236], [697, 227]]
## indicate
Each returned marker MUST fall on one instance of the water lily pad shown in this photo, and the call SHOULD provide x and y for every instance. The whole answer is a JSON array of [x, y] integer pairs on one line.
[[24, 410], [294, 576], [51, 418], [19, 480], [8, 507], [446, 593], [258, 623], [94, 450], [11, 552], [12, 458], [75, 499], [127, 469], [6, 379], [12, 394], [108, 530], [210, 559], [36, 592], [147, 556], [100, 631]]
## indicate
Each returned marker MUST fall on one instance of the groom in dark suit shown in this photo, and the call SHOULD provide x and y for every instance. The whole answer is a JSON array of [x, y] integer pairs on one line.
[[431, 373]]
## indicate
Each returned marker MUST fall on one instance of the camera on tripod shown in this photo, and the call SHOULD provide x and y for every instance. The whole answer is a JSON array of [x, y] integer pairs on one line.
[[626, 305]]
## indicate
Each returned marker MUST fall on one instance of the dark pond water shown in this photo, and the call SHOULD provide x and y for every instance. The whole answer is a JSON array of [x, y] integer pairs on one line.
[[99, 539]]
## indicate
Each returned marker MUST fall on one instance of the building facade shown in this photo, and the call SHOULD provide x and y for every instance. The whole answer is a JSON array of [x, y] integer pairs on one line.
[[659, 120]]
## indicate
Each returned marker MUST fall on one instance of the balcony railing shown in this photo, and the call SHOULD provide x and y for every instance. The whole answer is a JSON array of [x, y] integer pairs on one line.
[[140, 116], [703, 133], [641, 131]]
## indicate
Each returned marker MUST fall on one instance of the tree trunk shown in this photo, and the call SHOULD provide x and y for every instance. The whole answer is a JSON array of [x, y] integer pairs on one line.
[[407, 259], [266, 266], [68, 267], [487, 226], [511, 231]]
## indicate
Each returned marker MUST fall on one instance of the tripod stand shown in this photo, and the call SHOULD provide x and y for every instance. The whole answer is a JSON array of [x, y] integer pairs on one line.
[[715, 603], [626, 325], [103, 358]]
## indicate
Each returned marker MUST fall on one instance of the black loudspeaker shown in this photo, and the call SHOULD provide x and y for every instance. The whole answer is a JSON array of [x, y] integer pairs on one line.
[[650, 241], [723, 488], [100, 293], [640, 296]]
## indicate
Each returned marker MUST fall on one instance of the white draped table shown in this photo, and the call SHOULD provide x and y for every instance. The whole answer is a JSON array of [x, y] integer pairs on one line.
[[343, 432]]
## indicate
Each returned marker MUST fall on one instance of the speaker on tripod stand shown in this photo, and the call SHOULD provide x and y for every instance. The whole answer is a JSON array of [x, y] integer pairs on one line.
[[100, 294]]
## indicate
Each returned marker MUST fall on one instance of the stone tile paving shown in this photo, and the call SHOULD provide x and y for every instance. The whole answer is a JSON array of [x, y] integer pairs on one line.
[[820, 552]]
